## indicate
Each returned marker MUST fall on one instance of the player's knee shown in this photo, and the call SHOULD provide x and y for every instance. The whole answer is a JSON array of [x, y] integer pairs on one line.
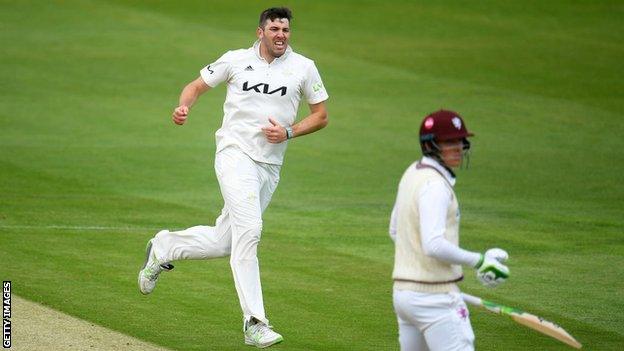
[[242, 258], [251, 231], [226, 250], [245, 246]]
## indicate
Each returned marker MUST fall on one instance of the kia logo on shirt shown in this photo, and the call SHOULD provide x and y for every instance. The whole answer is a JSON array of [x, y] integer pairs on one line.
[[263, 88]]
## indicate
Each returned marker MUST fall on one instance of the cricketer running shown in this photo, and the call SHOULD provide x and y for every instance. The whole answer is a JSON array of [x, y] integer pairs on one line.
[[265, 84]]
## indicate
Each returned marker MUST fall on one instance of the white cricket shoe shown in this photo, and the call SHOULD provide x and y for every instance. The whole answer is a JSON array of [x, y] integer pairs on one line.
[[151, 270], [259, 334]]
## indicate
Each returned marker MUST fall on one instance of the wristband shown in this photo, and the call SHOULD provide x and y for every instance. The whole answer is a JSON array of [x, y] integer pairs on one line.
[[289, 132], [478, 265]]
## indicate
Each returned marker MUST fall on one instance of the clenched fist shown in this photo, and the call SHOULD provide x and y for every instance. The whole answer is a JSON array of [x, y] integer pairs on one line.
[[180, 114], [275, 133]]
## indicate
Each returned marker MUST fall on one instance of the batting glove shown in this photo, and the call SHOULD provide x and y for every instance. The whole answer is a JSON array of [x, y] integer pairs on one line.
[[490, 270]]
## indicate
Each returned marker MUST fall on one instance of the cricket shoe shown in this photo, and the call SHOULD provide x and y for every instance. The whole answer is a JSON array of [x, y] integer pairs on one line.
[[259, 334], [148, 276]]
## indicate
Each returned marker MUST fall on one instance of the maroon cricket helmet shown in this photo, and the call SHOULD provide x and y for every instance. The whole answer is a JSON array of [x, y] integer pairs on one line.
[[443, 125], [439, 126]]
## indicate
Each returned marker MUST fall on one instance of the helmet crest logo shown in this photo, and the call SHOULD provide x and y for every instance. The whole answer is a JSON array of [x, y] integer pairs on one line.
[[429, 123], [457, 122]]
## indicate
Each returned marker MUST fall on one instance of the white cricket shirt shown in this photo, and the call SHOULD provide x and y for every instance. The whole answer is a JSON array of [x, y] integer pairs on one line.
[[257, 90]]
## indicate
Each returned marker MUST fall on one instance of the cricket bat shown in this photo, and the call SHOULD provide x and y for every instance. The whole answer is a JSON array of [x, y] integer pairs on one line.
[[534, 322]]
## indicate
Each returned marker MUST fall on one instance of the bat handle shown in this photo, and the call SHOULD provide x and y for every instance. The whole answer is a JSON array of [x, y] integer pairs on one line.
[[472, 300]]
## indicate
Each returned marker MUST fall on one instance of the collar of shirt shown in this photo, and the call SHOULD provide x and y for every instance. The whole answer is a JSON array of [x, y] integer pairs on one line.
[[256, 47], [435, 164]]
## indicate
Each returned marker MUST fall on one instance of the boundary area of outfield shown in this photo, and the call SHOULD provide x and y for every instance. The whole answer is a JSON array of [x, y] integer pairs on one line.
[[36, 327]]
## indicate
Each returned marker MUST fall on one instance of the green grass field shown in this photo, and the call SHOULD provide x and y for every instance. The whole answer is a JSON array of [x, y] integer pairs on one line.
[[92, 167]]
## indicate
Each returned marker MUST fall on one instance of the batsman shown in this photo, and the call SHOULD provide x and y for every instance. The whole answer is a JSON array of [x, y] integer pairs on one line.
[[428, 260]]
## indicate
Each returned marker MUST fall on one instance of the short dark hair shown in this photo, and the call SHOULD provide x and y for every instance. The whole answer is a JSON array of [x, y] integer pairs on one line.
[[273, 13]]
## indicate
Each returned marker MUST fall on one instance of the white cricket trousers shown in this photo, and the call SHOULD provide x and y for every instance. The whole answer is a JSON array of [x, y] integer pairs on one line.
[[432, 321], [246, 187]]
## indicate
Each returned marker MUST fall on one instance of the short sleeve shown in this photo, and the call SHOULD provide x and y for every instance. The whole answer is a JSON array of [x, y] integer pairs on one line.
[[313, 88], [217, 72]]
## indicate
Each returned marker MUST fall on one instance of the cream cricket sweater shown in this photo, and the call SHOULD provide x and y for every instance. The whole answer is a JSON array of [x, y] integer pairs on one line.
[[413, 270]]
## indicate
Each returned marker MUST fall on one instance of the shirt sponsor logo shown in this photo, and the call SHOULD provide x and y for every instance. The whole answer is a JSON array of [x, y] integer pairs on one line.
[[263, 88]]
